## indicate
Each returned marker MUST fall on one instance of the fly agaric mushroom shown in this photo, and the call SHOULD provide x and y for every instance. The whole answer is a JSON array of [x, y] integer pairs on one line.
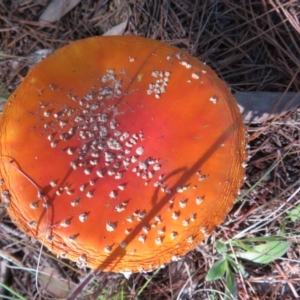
[[121, 153]]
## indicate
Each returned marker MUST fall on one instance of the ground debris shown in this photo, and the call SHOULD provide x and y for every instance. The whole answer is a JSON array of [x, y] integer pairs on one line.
[[253, 47]]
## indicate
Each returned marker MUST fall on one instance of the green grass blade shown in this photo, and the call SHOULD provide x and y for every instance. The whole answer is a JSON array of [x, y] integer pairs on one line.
[[20, 297], [147, 282]]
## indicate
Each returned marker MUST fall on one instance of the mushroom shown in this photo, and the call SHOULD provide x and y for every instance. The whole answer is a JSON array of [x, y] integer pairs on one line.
[[121, 153]]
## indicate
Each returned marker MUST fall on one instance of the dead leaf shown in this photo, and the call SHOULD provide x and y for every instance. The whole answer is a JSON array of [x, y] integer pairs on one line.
[[38, 55], [117, 30], [51, 281], [6, 255], [56, 9], [257, 107]]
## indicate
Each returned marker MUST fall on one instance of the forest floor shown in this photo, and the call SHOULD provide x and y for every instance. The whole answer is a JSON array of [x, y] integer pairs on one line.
[[253, 46]]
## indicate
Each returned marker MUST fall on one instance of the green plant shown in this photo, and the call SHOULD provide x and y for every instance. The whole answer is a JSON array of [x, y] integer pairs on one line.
[[294, 214], [15, 295], [3, 97], [261, 250], [224, 267]]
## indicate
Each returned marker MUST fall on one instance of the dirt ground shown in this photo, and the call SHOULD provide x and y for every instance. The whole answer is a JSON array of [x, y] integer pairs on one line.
[[253, 46]]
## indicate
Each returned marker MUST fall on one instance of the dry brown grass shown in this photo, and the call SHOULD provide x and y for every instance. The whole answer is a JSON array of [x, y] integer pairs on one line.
[[253, 46]]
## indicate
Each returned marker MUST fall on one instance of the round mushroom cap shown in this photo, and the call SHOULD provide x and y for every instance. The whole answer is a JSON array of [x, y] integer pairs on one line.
[[121, 153]]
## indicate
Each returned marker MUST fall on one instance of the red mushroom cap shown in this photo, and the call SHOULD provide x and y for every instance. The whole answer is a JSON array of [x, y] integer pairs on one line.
[[121, 153]]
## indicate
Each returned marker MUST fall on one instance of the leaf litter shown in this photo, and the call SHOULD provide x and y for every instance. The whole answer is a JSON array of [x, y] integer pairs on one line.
[[254, 47]]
